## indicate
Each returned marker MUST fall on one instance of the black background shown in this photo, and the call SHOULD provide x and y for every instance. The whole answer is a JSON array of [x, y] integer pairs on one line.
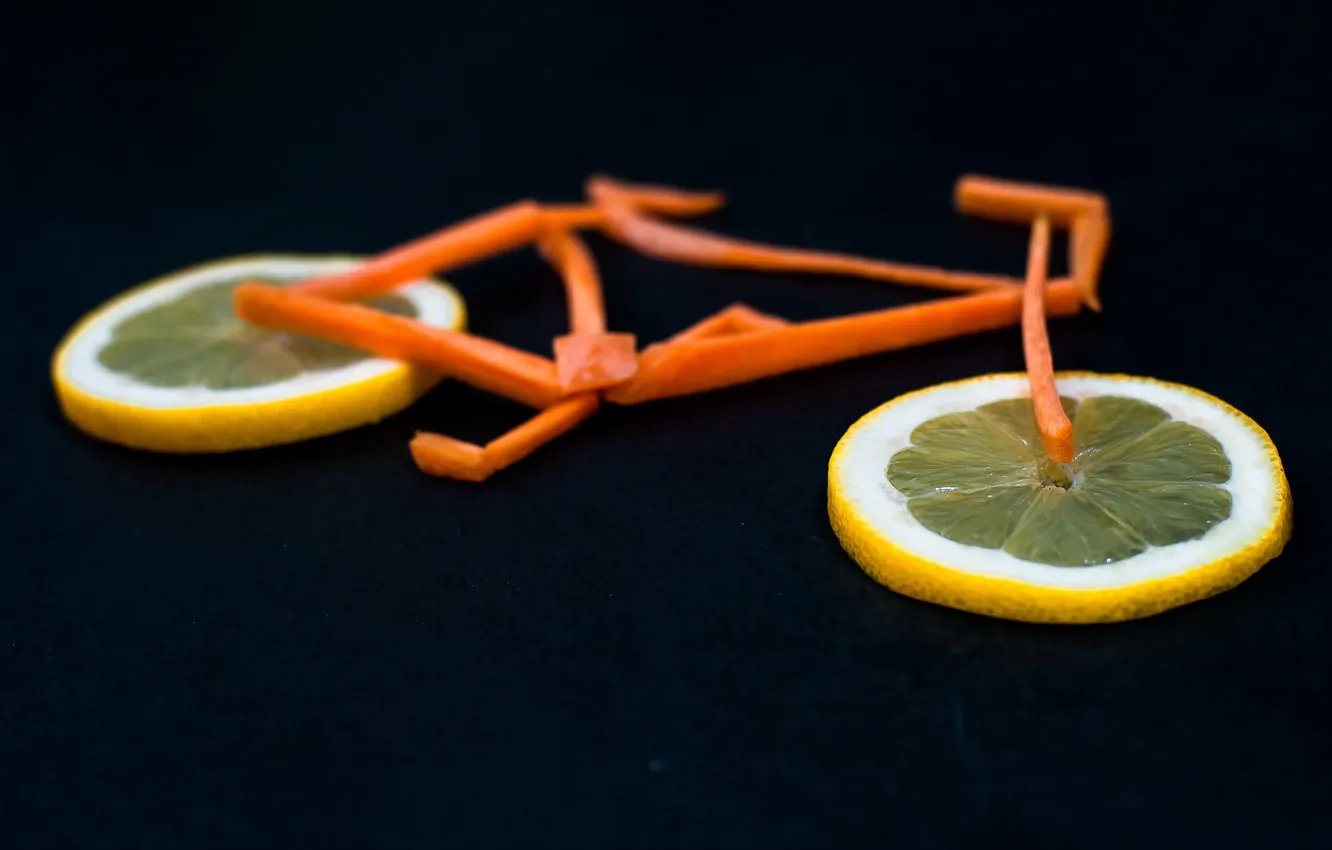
[[646, 635]]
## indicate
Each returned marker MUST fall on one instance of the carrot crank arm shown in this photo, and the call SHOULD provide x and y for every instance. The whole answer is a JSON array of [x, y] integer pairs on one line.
[[436, 454]]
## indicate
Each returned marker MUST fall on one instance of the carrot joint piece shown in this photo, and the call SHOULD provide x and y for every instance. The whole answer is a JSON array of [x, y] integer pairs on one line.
[[594, 361]]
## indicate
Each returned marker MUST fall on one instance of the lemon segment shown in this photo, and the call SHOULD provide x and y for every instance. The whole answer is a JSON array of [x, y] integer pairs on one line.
[[945, 495], [168, 366]]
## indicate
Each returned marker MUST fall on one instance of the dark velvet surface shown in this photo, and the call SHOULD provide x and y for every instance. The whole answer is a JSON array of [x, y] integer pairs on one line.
[[646, 635]]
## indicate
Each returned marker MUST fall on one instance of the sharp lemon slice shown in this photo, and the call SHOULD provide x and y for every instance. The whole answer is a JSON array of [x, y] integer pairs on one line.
[[946, 495], [169, 367]]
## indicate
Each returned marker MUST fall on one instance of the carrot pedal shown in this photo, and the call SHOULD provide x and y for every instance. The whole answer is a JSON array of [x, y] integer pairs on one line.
[[445, 457]]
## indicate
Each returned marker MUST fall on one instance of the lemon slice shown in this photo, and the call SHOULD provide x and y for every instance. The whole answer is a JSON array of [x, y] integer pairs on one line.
[[169, 367], [946, 495]]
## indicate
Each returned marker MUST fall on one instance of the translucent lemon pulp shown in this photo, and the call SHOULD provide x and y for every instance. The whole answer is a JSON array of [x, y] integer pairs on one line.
[[1139, 478]]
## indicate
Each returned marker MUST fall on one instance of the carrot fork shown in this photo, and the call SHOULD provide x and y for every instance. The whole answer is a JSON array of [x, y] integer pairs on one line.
[[1051, 419]]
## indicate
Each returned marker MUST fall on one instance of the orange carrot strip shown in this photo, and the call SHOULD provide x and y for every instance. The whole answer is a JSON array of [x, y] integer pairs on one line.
[[738, 318], [584, 216], [1051, 419], [582, 284], [445, 457], [698, 365], [486, 235], [572, 217], [661, 200], [553, 422], [678, 244], [1087, 244], [1007, 200], [480, 362]]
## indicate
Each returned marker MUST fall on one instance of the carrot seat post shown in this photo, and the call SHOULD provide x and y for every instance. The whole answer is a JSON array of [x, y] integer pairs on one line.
[[587, 358], [1084, 214]]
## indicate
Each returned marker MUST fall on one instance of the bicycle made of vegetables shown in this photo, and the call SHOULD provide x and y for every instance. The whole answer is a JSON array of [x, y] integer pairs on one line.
[[592, 364], [1066, 497]]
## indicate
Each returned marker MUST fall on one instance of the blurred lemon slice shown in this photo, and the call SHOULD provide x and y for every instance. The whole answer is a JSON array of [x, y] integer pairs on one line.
[[169, 367]]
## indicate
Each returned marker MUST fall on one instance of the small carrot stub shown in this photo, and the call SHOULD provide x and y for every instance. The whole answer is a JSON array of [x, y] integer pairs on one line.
[[736, 319], [1051, 420], [658, 200], [1087, 243]]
